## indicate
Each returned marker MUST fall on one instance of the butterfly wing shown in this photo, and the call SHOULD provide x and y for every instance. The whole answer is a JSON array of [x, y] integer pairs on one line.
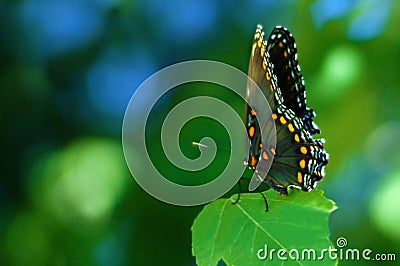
[[258, 101], [299, 160], [281, 47]]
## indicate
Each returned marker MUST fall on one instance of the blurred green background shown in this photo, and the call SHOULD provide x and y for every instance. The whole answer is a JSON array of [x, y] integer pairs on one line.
[[69, 68]]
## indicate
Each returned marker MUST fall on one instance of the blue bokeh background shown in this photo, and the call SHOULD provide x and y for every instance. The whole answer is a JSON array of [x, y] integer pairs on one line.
[[69, 68]]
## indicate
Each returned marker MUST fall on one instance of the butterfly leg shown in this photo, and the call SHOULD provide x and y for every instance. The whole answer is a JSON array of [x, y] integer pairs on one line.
[[239, 191], [265, 199], [280, 190]]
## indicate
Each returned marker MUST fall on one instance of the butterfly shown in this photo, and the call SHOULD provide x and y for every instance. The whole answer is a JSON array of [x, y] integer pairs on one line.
[[297, 160]]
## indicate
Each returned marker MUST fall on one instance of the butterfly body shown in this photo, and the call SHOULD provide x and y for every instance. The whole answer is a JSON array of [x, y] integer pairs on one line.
[[297, 159]]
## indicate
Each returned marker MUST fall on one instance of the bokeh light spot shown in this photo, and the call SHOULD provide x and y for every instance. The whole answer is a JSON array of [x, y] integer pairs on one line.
[[341, 67], [111, 81], [371, 22], [384, 206], [323, 11], [82, 182], [185, 21], [56, 27]]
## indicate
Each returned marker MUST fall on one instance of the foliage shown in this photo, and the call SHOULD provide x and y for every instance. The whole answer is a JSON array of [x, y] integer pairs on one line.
[[237, 232]]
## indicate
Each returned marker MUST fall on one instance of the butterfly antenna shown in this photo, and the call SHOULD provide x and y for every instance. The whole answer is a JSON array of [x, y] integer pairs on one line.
[[199, 144], [205, 146]]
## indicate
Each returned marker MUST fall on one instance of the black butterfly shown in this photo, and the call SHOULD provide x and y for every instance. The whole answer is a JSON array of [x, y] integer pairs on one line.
[[298, 160]]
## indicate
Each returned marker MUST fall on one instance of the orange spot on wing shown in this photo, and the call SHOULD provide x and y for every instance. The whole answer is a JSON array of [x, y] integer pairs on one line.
[[299, 177], [251, 132], [253, 161], [290, 126], [303, 150], [265, 156]]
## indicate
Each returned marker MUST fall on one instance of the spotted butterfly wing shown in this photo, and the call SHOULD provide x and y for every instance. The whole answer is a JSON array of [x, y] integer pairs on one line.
[[297, 160], [281, 47], [264, 79]]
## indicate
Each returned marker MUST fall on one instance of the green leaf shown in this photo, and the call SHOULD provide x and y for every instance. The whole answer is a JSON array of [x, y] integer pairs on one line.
[[235, 233]]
